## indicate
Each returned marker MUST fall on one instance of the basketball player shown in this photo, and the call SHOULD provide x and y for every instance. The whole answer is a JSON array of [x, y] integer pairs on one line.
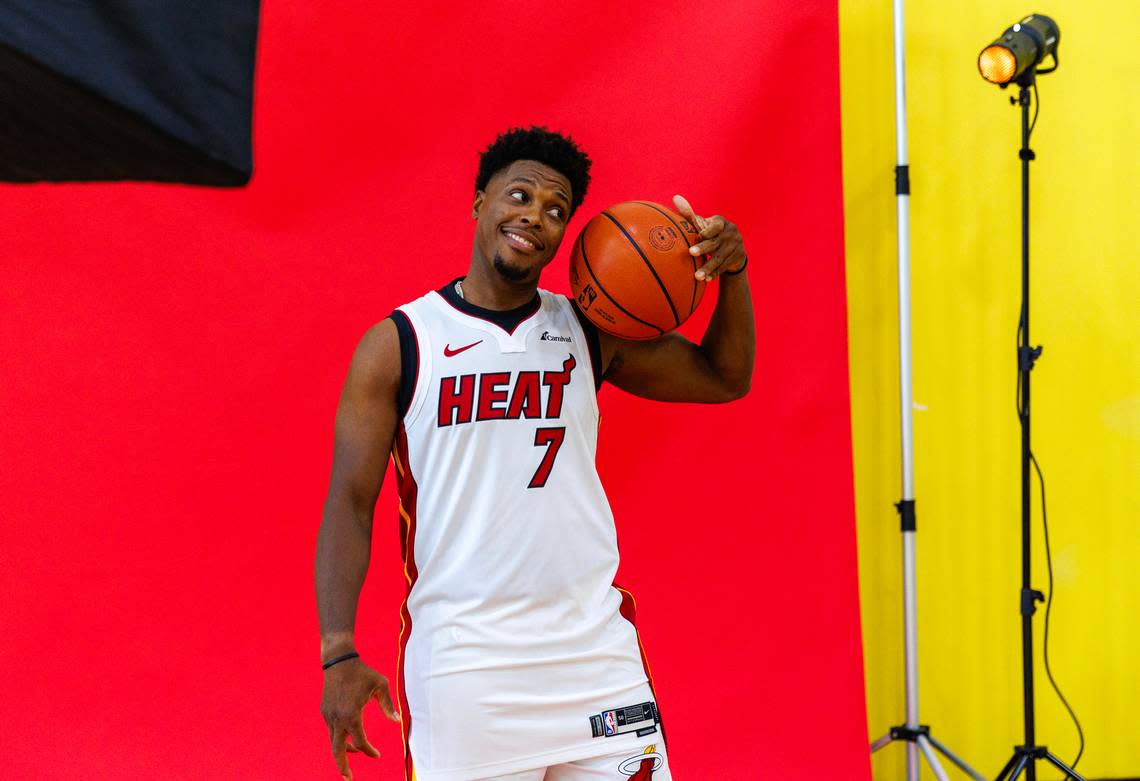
[[519, 659]]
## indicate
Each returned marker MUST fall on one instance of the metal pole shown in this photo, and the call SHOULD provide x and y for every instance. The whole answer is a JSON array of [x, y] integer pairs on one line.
[[1024, 366], [906, 400], [917, 737], [1025, 757]]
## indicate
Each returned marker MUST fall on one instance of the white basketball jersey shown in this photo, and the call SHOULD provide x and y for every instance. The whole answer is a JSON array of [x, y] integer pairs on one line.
[[516, 645]]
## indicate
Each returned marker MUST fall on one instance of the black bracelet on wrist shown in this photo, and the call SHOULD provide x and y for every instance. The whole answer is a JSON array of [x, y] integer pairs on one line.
[[339, 659], [738, 271]]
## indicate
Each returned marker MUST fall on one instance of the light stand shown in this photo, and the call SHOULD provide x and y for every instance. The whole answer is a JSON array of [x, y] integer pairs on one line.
[[916, 736], [1025, 756]]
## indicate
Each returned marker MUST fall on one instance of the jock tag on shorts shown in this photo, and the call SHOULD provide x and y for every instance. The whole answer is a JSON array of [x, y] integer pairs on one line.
[[641, 718]]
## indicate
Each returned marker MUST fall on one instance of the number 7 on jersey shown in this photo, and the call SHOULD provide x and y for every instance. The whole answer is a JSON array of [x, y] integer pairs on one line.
[[552, 438]]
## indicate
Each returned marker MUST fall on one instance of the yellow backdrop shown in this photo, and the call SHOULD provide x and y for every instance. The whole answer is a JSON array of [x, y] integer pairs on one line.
[[1086, 387]]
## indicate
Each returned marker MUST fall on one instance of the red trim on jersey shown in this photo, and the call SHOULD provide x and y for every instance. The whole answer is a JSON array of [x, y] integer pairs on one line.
[[406, 485], [628, 611]]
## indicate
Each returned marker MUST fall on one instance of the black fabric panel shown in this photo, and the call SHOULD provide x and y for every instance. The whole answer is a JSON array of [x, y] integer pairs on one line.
[[594, 342], [53, 130], [507, 319], [409, 361], [182, 68]]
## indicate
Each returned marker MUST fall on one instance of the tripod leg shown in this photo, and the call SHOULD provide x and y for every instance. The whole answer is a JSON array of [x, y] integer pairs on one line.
[[1069, 772], [1025, 759], [974, 774], [883, 741], [1004, 774], [931, 759]]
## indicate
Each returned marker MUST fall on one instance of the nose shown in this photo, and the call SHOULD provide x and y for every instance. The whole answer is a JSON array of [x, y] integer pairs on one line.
[[533, 216]]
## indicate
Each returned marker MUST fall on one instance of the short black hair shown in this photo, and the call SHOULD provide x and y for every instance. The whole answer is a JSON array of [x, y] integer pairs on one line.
[[543, 146]]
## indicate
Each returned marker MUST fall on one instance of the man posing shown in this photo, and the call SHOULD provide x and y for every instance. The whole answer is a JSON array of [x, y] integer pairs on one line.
[[519, 659]]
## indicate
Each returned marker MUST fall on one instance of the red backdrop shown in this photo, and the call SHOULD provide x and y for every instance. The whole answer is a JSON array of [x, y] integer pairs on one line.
[[171, 360]]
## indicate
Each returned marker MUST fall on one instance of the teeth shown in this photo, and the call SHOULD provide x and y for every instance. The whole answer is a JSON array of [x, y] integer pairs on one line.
[[520, 239]]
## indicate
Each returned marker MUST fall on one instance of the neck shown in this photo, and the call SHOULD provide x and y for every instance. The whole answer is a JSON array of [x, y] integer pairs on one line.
[[485, 287]]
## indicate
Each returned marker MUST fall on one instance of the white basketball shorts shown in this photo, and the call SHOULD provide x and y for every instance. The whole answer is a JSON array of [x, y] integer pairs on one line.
[[651, 763]]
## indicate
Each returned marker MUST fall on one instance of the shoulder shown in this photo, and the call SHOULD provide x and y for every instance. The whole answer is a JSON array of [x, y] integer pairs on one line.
[[377, 355], [381, 335], [551, 300], [598, 342], [404, 322]]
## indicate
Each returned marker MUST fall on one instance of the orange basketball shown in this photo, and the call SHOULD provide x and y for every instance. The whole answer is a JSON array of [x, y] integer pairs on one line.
[[631, 271]]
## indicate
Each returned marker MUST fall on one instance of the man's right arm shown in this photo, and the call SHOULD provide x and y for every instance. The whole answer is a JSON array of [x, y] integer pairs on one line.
[[366, 420]]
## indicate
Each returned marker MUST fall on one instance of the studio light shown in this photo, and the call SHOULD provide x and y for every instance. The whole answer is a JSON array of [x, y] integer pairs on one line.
[[1019, 50], [1013, 58]]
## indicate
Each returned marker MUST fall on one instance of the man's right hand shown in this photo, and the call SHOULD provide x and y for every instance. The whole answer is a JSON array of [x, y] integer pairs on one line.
[[348, 688]]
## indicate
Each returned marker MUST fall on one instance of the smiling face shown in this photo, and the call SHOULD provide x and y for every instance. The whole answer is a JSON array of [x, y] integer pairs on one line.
[[522, 217]]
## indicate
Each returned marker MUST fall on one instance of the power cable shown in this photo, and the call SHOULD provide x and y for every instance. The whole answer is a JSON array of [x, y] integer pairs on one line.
[[1048, 608]]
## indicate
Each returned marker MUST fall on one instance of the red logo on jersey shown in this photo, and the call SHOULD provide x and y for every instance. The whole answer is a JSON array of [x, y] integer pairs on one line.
[[500, 399], [641, 767], [448, 352], [645, 772]]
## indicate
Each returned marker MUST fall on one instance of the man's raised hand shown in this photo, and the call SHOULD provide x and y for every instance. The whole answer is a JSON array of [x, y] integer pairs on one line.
[[721, 241]]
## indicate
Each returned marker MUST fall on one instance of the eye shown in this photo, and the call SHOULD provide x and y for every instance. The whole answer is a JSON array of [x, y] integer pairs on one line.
[[520, 193], [557, 212]]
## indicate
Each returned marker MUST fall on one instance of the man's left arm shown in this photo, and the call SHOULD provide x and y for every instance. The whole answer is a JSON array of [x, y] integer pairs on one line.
[[719, 369]]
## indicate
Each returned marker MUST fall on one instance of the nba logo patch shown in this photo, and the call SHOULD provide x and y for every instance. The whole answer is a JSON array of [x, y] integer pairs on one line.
[[641, 718]]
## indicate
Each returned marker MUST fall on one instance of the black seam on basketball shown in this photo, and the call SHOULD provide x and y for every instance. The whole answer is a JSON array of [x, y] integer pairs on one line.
[[593, 276], [665, 214], [649, 265]]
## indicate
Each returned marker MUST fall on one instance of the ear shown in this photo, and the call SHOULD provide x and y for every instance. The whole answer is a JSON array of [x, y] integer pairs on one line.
[[477, 205]]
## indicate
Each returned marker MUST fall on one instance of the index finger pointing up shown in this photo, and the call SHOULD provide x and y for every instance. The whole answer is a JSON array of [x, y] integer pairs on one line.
[[688, 213]]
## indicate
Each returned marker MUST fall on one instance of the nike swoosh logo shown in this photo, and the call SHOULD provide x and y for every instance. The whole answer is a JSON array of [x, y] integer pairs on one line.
[[448, 352]]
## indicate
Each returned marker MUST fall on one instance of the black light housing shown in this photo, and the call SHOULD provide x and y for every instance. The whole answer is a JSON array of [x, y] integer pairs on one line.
[[136, 90], [1015, 55]]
